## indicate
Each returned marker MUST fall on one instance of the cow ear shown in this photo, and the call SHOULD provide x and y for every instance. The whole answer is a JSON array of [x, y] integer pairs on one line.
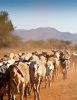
[[20, 72], [52, 50]]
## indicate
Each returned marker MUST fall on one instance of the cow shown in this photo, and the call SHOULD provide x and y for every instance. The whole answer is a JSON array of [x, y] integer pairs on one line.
[[49, 72], [35, 77], [65, 63], [19, 81]]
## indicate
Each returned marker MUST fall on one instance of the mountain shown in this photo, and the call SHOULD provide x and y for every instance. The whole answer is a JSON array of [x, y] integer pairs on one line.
[[44, 34]]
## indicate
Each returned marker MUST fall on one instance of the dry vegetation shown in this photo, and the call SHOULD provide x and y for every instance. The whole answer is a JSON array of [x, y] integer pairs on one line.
[[48, 44]]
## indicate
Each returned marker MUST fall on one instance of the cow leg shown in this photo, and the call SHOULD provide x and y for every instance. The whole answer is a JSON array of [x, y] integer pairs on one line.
[[66, 73], [46, 81], [13, 95], [49, 83], [29, 92], [38, 90], [35, 92], [31, 87], [9, 92], [26, 91], [22, 89], [63, 74], [57, 71], [21, 93], [10, 95], [50, 78], [53, 76], [5, 88], [40, 82], [38, 93], [61, 69], [35, 95]]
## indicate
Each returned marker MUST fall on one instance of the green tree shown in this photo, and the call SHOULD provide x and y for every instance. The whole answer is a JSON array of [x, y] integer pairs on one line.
[[6, 27]]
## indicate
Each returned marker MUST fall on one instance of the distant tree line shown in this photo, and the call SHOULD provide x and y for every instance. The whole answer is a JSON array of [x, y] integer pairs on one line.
[[48, 44]]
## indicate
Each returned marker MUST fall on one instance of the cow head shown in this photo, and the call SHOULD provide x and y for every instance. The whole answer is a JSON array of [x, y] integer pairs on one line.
[[13, 70], [55, 53], [35, 68]]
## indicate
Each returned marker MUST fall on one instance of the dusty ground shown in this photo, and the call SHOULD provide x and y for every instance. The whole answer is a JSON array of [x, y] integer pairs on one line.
[[60, 89]]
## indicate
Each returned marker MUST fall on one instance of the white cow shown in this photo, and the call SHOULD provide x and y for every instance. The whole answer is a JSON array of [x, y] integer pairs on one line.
[[49, 72], [35, 77]]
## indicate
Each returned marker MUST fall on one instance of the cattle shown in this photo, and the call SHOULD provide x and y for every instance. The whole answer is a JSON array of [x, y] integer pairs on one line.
[[16, 57], [44, 53], [20, 54], [54, 58], [35, 77], [11, 55], [73, 61], [42, 62], [28, 56], [49, 72], [34, 57], [55, 62], [56, 53], [42, 65], [2, 68], [64, 62], [19, 79], [43, 59], [4, 82], [24, 69], [35, 53], [8, 62]]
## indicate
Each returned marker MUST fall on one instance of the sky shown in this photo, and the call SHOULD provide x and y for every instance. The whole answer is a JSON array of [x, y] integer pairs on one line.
[[31, 14]]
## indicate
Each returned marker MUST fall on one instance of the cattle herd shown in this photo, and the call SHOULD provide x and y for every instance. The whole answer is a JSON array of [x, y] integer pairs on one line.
[[24, 72]]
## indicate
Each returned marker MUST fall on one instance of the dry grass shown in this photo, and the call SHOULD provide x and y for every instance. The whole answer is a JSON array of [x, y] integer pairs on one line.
[[32, 45]]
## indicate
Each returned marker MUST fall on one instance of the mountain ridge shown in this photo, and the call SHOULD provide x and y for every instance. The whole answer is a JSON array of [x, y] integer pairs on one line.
[[44, 34]]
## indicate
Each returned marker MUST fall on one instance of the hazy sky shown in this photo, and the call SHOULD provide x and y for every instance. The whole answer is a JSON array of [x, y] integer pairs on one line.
[[28, 14]]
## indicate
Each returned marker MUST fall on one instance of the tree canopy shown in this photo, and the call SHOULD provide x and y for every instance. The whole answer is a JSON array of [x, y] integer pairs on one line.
[[6, 27]]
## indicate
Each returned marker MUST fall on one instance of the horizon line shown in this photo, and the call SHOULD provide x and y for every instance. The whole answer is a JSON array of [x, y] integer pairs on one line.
[[45, 27]]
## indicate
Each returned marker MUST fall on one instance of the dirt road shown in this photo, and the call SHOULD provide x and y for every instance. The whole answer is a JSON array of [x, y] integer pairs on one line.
[[60, 89]]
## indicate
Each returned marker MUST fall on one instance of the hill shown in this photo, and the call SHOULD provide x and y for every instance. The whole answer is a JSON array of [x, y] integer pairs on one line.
[[44, 34]]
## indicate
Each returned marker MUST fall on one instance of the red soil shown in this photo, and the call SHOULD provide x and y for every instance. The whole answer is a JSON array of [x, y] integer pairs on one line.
[[60, 89]]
